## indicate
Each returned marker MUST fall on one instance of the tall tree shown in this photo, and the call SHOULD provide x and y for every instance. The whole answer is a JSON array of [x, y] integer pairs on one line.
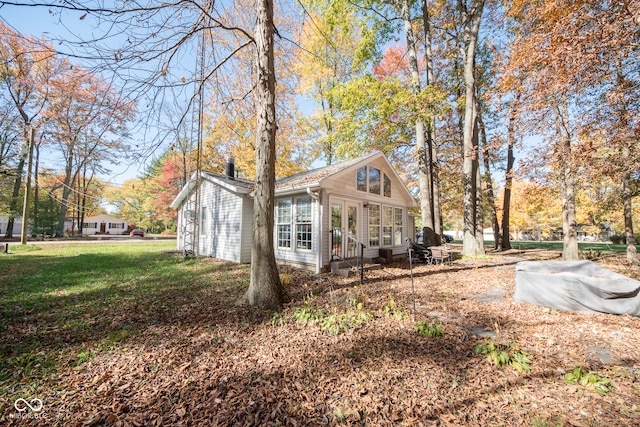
[[594, 35], [433, 166], [26, 67], [329, 41], [423, 149], [505, 243], [86, 117], [265, 289], [470, 15]]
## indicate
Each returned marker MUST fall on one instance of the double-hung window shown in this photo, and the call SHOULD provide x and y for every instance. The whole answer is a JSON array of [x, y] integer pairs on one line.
[[374, 225], [398, 226], [303, 223], [387, 226], [203, 220], [284, 223]]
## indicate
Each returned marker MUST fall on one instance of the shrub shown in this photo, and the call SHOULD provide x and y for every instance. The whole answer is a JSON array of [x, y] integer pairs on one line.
[[618, 239], [579, 375], [504, 354], [433, 328], [391, 309]]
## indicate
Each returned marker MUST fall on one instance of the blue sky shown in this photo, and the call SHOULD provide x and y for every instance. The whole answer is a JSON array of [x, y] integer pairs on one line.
[[65, 25]]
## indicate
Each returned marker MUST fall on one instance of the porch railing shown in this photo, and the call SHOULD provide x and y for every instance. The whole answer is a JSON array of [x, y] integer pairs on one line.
[[352, 255]]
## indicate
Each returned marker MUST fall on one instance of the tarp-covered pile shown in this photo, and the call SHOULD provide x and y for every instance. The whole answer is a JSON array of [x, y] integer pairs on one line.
[[576, 286]]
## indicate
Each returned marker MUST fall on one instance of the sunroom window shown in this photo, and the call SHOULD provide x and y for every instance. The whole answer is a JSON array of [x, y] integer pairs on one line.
[[374, 225], [303, 223], [284, 223]]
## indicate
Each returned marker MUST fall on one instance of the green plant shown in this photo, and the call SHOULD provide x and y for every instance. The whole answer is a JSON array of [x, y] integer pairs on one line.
[[84, 356], [277, 319], [504, 354], [340, 323], [390, 309], [286, 279], [433, 328], [588, 379], [307, 314], [618, 239]]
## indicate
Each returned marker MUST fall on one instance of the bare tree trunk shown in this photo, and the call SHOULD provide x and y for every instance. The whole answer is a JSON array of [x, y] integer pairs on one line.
[[488, 186], [423, 151], [436, 211], [567, 185], [508, 178], [265, 290], [471, 20], [36, 191], [627, 194], [479, 223], [13, 205], [625, 157]]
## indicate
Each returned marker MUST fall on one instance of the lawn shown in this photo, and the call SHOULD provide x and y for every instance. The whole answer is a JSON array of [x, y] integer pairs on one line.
[[130, 334], [557, 246]]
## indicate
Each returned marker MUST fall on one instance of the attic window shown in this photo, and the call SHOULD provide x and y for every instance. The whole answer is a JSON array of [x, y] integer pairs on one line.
[[374, 180], [361, 179], [387, 186]]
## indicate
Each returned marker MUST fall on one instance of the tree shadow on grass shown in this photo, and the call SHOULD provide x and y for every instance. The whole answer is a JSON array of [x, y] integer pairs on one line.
[[99, 300]]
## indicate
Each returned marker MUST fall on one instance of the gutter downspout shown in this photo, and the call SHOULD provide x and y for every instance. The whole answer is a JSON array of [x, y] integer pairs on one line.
[[316, 197]]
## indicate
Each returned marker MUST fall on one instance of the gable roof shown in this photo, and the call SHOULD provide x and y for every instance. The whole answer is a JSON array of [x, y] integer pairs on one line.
[[236, 185], [314, 177], [300, 181]]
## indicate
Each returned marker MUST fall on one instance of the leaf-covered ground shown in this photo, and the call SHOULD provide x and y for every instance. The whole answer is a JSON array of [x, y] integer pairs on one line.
[[184, 353]]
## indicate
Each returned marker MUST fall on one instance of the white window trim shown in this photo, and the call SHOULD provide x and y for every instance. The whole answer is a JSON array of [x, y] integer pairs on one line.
[[290, 224], [367, 189], [293, 224], [296, 223]]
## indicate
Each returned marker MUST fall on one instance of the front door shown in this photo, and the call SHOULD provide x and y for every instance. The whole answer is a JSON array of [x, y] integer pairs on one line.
[[344, 226], [103, 227]]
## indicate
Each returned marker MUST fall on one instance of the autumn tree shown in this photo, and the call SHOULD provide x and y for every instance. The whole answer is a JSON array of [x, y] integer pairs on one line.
[[166, 177], [87, 120], [470, 14], [601, 35], [132, 200], [25, 71], [329, 39], [160, 36]]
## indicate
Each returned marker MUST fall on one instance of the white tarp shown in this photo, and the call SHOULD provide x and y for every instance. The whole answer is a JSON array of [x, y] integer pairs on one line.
[[576, 286]]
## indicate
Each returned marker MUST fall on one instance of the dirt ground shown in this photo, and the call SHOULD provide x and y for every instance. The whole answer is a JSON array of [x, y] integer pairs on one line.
[[216, 363]]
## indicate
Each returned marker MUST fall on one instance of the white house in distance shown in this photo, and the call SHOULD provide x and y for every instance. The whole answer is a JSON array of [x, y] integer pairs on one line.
[[17, 225], [320, 215], [4, 224], [104, 224]]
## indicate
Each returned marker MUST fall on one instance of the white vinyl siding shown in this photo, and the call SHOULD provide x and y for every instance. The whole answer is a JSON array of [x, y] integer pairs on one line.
[[221, 223]]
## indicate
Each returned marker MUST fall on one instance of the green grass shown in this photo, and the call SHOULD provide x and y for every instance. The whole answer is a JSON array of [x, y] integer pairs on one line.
[[63, 304], [557, 246]]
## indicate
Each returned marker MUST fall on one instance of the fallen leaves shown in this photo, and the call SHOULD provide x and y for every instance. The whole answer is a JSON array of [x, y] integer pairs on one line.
[[225, 365]]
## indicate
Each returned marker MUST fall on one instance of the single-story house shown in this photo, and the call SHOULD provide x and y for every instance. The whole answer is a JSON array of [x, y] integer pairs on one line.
[[4, 224], [104, 224], [17, 225], [320, 215]]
